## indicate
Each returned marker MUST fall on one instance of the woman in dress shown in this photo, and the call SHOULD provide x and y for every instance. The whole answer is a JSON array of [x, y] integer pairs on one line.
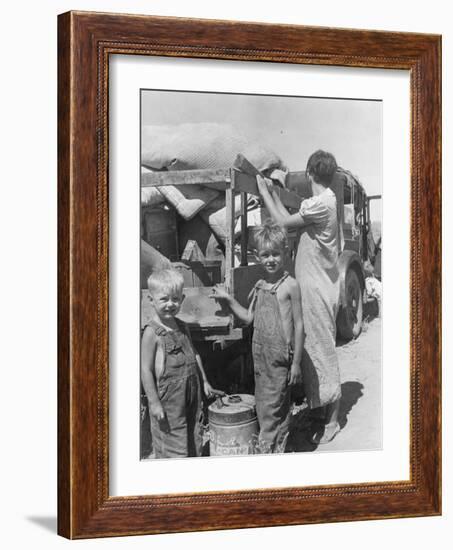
[[316, 270]]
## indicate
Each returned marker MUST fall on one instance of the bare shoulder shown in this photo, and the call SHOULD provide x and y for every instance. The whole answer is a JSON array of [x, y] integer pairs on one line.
[[291, 284], [290, 287], [149, 336]]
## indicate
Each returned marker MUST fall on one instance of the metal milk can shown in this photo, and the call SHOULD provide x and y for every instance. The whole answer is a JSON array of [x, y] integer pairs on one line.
[[233, 425]]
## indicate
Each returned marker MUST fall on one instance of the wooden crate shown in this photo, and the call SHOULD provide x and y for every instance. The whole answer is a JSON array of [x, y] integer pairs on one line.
[[200, 312], [160, 229], [198, 274], [211, 325]]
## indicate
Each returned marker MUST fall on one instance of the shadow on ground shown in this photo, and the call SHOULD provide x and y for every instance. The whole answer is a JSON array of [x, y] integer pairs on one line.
[[49, 523], [351, 392], [306, 424]]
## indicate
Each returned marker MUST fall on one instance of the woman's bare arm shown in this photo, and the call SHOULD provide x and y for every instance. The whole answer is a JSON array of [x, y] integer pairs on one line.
[[278, 202], [276, 208], [296, 306]]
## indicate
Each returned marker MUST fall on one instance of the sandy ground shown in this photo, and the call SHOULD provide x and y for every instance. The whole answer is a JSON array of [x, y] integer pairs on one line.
[[360, 415]]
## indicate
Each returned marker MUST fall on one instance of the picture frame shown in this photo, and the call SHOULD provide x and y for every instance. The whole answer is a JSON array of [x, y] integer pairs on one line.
[[85, 42]]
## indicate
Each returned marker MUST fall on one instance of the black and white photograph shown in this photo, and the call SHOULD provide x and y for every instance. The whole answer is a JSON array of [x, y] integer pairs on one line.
[[261, 284]]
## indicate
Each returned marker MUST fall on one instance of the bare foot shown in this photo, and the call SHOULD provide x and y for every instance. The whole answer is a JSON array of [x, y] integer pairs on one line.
[[330, 431]]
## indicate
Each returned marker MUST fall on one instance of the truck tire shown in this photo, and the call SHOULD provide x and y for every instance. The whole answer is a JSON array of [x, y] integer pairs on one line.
[[350, 317]]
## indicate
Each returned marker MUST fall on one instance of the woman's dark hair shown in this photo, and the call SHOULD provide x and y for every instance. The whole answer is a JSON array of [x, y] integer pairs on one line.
[[322, 167]]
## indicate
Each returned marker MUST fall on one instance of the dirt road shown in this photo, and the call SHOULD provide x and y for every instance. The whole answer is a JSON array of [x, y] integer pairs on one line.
[[361, 403]]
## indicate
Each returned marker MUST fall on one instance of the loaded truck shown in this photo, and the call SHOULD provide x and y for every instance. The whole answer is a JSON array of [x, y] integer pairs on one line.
[[206, 262]]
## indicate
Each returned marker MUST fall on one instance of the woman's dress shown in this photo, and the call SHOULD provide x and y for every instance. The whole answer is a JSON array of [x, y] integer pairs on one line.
[[317, 272]]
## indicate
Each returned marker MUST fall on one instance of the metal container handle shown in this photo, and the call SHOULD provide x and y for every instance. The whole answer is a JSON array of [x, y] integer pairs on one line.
[[234, 399], [219, 402]]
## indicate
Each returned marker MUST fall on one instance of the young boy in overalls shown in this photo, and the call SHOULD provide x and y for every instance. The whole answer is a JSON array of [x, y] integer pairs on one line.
[[278, 337], [170, 372]]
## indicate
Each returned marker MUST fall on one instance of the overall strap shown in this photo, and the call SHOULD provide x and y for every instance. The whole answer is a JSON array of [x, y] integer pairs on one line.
[[279, 282], [257, 286], [160, 331], [170, 338], [183, 336]]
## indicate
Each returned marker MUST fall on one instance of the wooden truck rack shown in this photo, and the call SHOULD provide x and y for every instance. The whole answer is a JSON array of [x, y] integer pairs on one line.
[[209, 324]]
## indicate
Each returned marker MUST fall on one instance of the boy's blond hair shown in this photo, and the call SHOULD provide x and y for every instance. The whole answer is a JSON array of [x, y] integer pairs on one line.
[[270, 233], [168, 279]]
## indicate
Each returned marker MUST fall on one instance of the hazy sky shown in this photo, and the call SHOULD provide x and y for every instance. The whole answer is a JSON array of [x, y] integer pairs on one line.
[[294, 127]]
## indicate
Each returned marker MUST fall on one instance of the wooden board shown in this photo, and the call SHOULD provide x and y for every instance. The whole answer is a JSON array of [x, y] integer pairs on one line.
[[186, 177], [244, 279], [197, 309], [247, 183]]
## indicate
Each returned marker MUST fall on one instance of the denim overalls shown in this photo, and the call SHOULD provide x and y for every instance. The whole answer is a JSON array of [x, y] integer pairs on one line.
[[179, 391], [272, 358]]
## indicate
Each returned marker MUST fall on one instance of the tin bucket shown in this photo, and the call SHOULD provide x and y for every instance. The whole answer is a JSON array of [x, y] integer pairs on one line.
[[233, 425]]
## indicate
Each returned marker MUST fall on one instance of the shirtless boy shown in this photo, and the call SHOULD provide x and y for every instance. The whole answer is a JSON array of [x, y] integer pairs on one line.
[[278, 336]]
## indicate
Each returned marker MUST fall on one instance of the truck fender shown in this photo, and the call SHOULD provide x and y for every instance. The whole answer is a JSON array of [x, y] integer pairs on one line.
[[349, 259]]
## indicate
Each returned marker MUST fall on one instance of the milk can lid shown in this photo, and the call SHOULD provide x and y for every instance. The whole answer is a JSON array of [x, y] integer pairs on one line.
[[232, 409]]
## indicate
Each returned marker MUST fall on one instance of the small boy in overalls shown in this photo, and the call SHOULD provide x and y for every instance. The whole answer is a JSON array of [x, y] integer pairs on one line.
[[170, 372], [278, 337]]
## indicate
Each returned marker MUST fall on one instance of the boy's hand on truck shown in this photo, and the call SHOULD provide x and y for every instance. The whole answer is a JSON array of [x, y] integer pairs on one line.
[[219, 293]]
